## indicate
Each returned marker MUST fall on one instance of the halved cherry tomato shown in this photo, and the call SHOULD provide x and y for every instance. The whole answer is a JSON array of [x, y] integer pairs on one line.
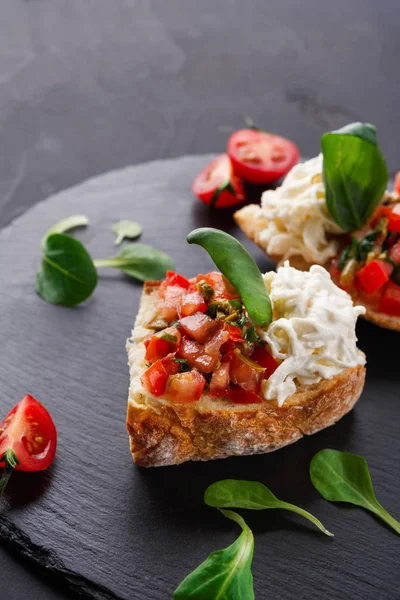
[[374, 275], [263, 357], [390, 299], [29, 433], [219, 384], [173, 278], [397, 183], [392, 212], [185, 387], [261, 157], [218, 184], [199, 326], [162, 343], [238, 395], [192, 303], [155, 378]]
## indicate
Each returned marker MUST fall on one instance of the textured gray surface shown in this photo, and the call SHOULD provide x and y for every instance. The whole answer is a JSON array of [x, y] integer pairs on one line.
[[91, 85], [114, 530]]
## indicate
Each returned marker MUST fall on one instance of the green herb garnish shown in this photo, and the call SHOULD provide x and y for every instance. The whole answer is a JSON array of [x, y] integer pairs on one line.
[[344, 477], [239, 268], [66, 225], [168, 337], [126, 229], [253, 495], [183, 363], [225, 574], [139, 261], [355, 174]]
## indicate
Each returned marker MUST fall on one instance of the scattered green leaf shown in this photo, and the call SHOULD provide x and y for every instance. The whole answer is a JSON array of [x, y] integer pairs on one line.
[[344, 477], [225, 574], [253, 495], [126, 229], [10, 460], [139, 261], [67, 275], [355, 174], [66, 225], [239, 268]]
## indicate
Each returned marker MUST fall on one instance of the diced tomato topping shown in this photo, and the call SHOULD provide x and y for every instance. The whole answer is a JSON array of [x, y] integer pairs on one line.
[[235, 333], [172, 301], [245, 372], [397, 183], [238, 395], [263, 357], [185, 387], [192, 303], [394, 253], [162, 343], [374, 275], [155, 378], [219, 385], [171, 279], [392, 212], [199, 326], [220, 337], [390, 300], [196, 356], [227, 349], [222, 288]]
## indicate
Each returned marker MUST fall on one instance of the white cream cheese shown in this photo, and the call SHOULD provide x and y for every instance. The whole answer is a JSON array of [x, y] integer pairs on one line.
[[298, 221], [312, 332]]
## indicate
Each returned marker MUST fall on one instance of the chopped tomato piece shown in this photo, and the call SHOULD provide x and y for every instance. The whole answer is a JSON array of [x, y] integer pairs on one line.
[[392, 212], [192, 303], [227, 349], [390, 300], [199, 326], [222, 288], [185, 387], [172, 301], [261, 157], [219, 384], [220, 337], [218, 183], [374, 275], [162, 343], [171, 279], [394, 253], [397, 183], [196, 356], [245, 372], [263, 357], [235, 333], [155, 378], [238, 395]]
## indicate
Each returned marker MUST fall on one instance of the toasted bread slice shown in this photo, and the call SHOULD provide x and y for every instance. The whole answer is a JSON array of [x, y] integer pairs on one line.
[[166, 433], [252, 223]]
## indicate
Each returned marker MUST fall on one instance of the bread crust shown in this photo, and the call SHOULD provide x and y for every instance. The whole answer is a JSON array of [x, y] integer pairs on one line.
[[252, 224], [165, 433]]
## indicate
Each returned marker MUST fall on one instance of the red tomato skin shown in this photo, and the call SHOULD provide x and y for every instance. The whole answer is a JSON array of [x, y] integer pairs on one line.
[[235, 333], [173, 278], [392, 212], [261, 171], [390, 300], [31, 412], [192, 303], [217, 173], [158, 347], [245, 375], [374, 275], [155, 378], [264, 358], [240, 396]]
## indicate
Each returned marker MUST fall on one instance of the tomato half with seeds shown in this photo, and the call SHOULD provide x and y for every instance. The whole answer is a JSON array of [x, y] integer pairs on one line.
[[261, 157], [28, 438], [218, 185]]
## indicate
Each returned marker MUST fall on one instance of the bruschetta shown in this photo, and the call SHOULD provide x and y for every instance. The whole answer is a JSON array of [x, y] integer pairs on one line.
[[206, 382]]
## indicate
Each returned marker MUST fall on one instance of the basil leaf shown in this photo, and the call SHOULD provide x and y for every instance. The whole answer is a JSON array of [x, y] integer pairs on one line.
[[355, 174], [65, 225], [344, 477], [126, 229], [253, 495], [239, 268], [140, 261], [67, 275], [225, 574]]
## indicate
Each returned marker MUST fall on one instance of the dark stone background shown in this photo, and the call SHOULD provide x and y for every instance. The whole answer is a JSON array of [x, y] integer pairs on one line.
[[87, 86]]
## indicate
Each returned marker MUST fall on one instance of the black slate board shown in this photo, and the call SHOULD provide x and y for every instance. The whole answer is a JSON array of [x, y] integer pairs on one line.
[[114, 530]]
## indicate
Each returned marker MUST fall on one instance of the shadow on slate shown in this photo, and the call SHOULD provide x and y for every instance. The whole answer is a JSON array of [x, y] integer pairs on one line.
[[110, 529]]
